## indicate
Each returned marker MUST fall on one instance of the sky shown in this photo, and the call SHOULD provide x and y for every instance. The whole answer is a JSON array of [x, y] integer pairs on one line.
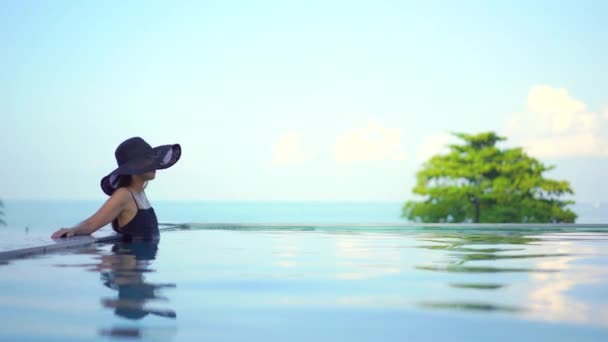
[[296, 100]]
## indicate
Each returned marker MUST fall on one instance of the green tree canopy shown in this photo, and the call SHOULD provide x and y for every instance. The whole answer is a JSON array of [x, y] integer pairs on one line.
[[481, 183]]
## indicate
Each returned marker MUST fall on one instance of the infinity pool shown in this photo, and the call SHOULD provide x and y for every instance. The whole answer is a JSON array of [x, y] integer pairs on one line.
[[332, 284]]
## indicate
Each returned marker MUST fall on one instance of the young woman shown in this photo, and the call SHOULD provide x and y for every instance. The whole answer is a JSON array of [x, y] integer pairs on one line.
[[128, 208]]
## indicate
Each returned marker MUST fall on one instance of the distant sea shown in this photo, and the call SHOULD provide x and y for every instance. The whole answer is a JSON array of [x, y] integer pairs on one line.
[[41, 217]]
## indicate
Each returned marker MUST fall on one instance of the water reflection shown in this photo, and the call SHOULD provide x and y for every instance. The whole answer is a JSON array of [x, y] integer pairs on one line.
[[477, 286], [126, 275], [468, 253], [565, 295], [470, 306], [472, 246], [124, 271], [479, 269], [2, 222], [357, 259], [548, 292]]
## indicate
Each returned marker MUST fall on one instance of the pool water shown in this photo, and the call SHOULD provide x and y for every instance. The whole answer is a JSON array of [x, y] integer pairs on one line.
[[332, 284]]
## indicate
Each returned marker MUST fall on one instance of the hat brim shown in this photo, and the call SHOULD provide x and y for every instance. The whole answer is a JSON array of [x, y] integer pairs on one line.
[[161, 157]]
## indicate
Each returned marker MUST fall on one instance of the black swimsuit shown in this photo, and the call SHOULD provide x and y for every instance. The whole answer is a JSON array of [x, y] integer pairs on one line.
[[144, 226]]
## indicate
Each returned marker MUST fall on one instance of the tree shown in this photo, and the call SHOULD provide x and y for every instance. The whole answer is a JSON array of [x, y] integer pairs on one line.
[[478, 182]]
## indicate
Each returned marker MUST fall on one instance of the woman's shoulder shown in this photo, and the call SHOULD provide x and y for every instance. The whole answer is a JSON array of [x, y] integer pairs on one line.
[[121, 194], [121, 191]]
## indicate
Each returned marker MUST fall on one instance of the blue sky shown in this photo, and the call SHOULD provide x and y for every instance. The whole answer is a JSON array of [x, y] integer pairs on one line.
[[286, 100]]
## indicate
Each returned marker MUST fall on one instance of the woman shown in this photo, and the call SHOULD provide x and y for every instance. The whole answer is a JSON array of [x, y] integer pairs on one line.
[[128, 208]]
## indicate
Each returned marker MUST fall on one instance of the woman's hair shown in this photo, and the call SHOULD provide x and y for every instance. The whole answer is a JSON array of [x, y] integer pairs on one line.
[[123, 181], [126, 180]]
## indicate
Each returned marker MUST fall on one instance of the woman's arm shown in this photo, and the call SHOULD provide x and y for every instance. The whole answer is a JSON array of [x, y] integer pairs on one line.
[[108, 212]]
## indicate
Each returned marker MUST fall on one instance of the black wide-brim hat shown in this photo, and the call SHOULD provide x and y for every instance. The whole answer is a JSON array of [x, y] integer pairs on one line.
[[135, 156]]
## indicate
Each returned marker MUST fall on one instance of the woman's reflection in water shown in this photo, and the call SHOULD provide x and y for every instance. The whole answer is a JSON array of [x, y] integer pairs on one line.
[[124, 271]]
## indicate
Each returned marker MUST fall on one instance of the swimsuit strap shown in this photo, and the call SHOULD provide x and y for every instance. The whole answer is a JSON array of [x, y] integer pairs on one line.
[[137, 205]]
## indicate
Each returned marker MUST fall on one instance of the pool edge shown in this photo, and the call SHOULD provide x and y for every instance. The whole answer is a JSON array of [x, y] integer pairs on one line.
[[74, 242]]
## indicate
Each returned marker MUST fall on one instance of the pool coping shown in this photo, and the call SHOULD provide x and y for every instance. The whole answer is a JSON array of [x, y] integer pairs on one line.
[[59, 245]]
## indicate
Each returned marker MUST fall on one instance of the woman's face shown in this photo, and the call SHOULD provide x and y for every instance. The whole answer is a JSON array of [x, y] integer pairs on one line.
[[148, 175]]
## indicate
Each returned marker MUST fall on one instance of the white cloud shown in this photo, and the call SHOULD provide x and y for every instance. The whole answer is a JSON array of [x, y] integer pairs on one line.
[[288, 151], [557, 125], [432, 145], [554, 107], [568, 145], [372, 142]]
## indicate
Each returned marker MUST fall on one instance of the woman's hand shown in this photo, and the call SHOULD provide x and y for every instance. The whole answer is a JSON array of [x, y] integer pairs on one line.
[[63, 232], [108, 212]]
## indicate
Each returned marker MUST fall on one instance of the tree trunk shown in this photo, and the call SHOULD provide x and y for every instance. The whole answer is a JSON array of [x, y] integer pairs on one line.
[[477, 210]]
